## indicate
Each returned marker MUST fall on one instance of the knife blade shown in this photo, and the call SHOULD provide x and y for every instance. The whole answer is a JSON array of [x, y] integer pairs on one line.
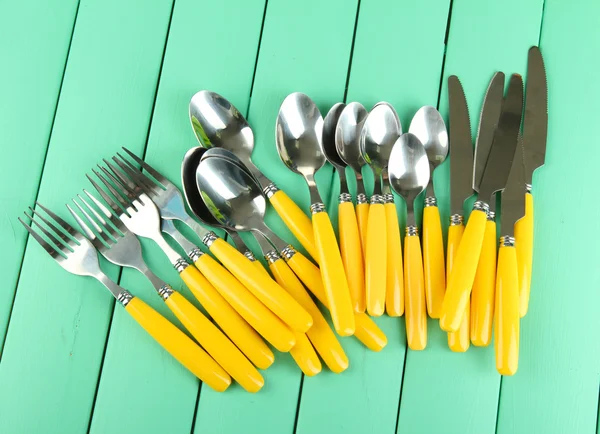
[[488, 122], [513, 199], [502, 153], [535, 123], [461, 146]]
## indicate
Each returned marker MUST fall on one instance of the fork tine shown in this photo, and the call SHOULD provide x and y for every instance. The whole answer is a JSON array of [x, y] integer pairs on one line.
[[121, 202], [113, 205], [121, 188], [60, 245], [102, 224], [47, 246], [115, 221], [122, 176], [48, 223], [66, 226], [145, 165], [145, 183], [86, 229]]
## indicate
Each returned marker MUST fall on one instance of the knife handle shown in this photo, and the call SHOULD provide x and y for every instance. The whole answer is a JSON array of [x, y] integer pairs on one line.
[[433, 258], [394, 293], [458, 341], [296, 221], [414, 288], [460, 282], [333, 275], [305, 356], [362, 217], [484, 288], [352, 255], [376, 258], [228, 318], [506, 324], [524, 245], [366, 330], [320, 334]]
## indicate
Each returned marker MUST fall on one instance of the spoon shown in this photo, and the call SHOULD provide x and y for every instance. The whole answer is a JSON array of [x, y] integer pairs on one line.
[[409, 175], [429, 127], [299, 132], [347, 143], [350, 243], [216, 122], [249, 192], [379, 133]]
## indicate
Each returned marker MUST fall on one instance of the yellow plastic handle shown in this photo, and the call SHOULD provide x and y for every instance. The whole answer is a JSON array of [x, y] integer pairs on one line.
[[352, 255], [460, 281], [296, 221], [376, 260], [333, 275], [362, 217], [305, 356], [433, 261], [524, 245], [232, 323], [506, 324], [216, 343], [484, 288], [394, 292], [414, 294], [262, 286], [190, 355], [265, 322], [366, 330], [320, 334], [458, 341]]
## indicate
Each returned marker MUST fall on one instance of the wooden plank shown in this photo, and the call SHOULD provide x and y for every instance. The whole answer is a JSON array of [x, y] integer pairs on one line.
[[170, 137], [462, 389], [59, 324], [556, 388], [29, 84]]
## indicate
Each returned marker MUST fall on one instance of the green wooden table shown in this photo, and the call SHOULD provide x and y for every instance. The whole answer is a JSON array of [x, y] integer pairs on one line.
[[80, 79]]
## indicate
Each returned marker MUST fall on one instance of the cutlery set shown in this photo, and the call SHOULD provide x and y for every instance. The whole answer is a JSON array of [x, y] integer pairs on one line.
[[470, 288]]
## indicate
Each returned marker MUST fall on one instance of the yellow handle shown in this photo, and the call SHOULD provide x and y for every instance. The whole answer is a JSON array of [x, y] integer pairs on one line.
[[524, 245], [215, 343], [414, 294], [332, 273], [259, 266], [484, 287], [262, 286], [296, 221], [433, 259], [366, 330], [232, 323], [458, 341], [394, 293], [460, 281], [246, 304], [320, 334], [352, 255], [179, 345], [362, 216], [506, 324], [376, 260], [305, 356]]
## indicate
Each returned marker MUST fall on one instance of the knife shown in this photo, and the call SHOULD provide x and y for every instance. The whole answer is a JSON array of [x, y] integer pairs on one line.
[[535, 132], [493, 179]]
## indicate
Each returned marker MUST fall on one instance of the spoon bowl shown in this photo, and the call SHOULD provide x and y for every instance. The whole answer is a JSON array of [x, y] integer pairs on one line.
[[428, 125], [347, 135], [329, 130]]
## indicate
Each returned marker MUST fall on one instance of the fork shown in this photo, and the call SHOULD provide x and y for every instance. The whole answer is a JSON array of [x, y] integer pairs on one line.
[[169, 201], [140, 215], [121, 247], [76, 254]]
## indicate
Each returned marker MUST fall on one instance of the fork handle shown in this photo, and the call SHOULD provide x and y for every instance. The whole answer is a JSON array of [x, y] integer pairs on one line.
[[190, 355]]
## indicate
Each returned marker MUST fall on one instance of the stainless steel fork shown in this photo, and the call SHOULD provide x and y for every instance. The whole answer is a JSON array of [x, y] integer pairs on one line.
[[76, 254], [121, 247]]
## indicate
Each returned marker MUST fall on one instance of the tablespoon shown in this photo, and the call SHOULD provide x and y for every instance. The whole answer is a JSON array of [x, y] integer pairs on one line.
[[299, 132], [350, 242], [216, 122], [409, 175], [429, 127], [347, 143], [251, 217], [379, 133]]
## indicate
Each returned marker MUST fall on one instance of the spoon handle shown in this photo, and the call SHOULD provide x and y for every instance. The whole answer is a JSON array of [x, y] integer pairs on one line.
[[362, 215], [376, 258], [484, 287], [296, 221], [506, 323], [460, 282], [524, 243], [433, 258], [366, 330], [458, 341], [414, 287], [333, 275], [352, 254], [394, 293]]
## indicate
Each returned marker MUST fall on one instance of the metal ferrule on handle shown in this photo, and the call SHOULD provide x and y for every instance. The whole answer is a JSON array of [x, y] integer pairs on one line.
[[361, 198], [345, 197], [124, 297], [430, 201], [377, 199], [180, 265], [388, 198], [456, 220], [165, 291], [209, 238], [317, 207], [270, 190], [412, 231]]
